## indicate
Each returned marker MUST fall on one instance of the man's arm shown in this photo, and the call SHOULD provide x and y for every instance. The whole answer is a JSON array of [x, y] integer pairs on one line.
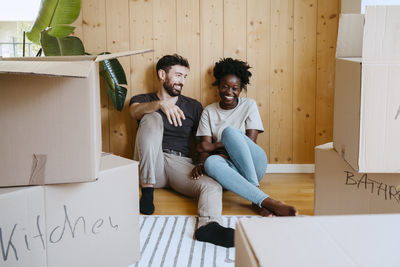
[[137, 110], [173, 112]]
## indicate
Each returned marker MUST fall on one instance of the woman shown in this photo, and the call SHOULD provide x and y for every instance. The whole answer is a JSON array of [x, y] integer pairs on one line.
[[228, 149]]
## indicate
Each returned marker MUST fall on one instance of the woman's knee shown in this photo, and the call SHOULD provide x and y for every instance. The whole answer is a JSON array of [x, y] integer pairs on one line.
[[229, 132], [212, 163]]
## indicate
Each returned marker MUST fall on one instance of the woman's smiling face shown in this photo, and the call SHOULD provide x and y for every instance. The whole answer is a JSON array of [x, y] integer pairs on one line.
[[229, 90]]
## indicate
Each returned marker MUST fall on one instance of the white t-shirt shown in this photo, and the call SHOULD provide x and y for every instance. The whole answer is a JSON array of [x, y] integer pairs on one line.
[[244, 116]]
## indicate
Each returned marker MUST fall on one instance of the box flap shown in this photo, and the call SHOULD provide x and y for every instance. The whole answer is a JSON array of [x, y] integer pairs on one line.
[[327, 146], [47, 67], [351, 59], [346, 117], [325, 240], [244, 255], [69, 66], [272, 239], [110, 161], [52, 58], [382, 34], [350, 35], [122, 54]]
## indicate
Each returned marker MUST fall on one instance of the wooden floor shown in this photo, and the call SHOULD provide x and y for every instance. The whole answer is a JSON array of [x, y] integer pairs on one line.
[[293, 189]]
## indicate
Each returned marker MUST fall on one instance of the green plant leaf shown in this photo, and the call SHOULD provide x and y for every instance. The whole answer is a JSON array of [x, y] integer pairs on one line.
[[113, 72], [54, 13], [67, 46], [120, 95], [61, 31], [116, 92], [115, 69]]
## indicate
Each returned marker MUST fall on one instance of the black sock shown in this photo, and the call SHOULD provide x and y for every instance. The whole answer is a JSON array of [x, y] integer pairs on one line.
[[216, 234], [146, 201]]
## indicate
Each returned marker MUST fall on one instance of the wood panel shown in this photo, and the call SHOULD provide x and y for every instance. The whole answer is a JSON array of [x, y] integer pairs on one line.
[[188, 43], [117, 18], [305, 19], [141, 37], [281, 147], [211, 46], [326, 47], [290, 44], [235, 22], [94, 37], [258, 57], [164, 28]]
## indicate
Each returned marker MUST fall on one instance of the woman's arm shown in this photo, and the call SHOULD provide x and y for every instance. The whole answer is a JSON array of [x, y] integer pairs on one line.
[[206, 145], [252, 134], [204, 148]]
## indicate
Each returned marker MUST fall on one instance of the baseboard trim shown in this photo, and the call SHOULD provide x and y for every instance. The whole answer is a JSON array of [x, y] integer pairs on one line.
[[290, 168]]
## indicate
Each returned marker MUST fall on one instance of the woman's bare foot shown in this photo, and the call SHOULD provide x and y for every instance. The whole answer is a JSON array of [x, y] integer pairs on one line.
[[262, 211], [279, 208]]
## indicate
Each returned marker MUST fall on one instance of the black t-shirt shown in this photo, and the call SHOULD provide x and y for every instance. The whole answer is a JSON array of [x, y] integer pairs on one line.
[[176, 138]]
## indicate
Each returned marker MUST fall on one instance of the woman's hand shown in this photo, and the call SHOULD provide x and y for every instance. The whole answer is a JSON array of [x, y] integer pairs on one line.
[[198, 171]]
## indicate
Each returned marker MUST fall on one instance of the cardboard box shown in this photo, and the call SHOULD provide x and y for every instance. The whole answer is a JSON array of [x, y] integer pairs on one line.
[[359, 6], [367, 108], [339, 189], [358, 240], [80, 224], [50, 119], [367, 115], [373, 36], [350, 35]]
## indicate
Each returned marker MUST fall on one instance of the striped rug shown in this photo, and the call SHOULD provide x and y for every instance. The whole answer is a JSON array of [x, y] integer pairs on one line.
[[168, 241]]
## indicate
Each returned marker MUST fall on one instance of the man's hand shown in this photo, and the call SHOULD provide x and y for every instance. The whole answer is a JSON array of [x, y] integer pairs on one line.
[[174, 114], [198, 171]]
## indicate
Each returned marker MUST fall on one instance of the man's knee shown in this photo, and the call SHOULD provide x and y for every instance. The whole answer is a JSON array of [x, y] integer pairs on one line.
[[208, 184], [152, 120], [151, 127]]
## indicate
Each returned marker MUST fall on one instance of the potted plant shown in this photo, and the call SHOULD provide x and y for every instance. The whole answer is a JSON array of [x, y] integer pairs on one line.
[[52, 31]]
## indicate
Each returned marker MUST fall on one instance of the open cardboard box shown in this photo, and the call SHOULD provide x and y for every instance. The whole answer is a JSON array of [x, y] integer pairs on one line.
[[367, 109], [50, 119], [80, 224], [357, 240], [339, 189]]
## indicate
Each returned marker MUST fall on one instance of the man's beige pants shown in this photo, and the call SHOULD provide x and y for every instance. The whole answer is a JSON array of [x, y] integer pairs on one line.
[[162, 170]]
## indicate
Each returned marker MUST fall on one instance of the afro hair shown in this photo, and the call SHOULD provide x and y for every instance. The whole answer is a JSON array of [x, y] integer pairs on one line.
[[230, 66]]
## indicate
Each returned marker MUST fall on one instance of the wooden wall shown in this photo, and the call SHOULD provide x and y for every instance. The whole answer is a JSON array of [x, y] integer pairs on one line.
[[289, 43]]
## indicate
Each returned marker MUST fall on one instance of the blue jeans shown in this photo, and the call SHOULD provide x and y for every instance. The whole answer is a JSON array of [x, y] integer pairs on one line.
[[243, 170]]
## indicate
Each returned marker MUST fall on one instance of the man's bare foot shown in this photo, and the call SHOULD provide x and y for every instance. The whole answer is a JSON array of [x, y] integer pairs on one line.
[[262, 211], [279, 208]]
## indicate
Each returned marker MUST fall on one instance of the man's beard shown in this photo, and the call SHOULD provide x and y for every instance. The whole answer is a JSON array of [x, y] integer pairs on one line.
[[170, 88]]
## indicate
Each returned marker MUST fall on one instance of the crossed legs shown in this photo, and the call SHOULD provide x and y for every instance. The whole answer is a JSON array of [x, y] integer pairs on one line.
[[242, 171]]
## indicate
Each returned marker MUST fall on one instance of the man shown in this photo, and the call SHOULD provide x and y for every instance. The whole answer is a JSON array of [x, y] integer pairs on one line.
[[166, 120]]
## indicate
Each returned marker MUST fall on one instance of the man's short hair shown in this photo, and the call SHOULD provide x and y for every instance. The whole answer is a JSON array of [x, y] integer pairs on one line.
[[166, 62]]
